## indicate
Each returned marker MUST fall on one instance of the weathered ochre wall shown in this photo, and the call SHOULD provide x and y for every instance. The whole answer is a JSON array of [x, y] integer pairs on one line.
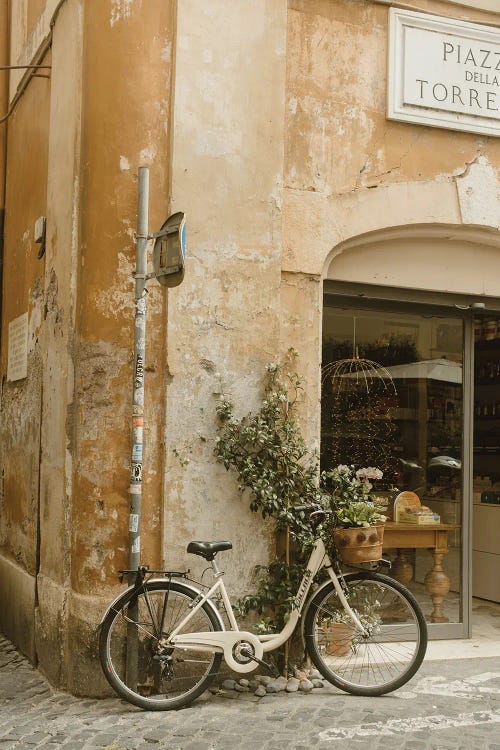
[[75, 144], [59, 340], [4, 103], [34, 11], [350, 171], [127, 68], [126, 100], [26, 188], [341, 147]]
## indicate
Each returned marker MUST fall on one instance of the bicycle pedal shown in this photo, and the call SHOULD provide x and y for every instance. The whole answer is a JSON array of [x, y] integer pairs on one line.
[[265, 664]]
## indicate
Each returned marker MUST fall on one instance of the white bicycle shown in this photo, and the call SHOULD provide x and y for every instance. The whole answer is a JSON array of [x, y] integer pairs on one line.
[[179, 636]]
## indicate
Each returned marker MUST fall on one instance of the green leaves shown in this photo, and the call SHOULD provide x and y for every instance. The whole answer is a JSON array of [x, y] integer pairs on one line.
[[277, 584], [269, 455], [350, 496], [271, 460], [268, 452]]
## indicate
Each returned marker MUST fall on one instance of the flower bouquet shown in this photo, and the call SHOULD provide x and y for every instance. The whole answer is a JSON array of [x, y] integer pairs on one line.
[[357, 523]]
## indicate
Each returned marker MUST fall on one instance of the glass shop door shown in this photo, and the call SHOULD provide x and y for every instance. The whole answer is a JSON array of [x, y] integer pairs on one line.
[[411, 419], [486, 468]]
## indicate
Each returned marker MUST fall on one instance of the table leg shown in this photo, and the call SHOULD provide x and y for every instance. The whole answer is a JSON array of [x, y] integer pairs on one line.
[[437, 585]]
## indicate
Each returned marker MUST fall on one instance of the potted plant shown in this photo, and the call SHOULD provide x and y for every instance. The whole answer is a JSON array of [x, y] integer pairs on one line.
[[339, 633], [341, 636], [358, 524]]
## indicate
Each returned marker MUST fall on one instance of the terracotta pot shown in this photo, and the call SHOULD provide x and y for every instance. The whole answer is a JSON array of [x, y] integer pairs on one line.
[[339, 638], [357, 545]]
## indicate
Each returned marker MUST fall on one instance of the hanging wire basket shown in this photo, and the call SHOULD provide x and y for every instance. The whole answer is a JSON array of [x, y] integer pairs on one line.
[[358, 374], [358, 398]]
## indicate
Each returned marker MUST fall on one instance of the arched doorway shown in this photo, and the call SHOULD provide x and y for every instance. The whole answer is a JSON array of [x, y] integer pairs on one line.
[[411, 299]]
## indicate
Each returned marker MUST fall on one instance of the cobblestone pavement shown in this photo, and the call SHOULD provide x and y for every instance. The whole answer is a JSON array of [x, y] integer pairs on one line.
[[451, 705]]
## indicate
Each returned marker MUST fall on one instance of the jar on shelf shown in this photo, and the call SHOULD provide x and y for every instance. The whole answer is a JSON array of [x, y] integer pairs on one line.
[[490, 330], [478, 329]]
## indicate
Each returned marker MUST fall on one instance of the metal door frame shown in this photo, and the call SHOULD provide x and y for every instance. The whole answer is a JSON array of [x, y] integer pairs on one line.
[[464, 307]]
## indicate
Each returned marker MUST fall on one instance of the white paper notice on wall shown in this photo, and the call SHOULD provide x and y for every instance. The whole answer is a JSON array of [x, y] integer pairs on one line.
[[17, 364], [444, 73]]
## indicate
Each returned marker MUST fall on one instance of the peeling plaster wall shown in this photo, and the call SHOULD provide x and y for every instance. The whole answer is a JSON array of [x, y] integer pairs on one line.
[[20, 401], [301, 329], [350, 171], [338, 137], [478, 188], [105, 111], [341, 147], [126, 87], [223, 322], [126, 100], [59, 341], [347, 171]]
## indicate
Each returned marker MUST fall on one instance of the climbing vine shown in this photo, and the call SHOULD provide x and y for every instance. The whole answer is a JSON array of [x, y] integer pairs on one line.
[[272, 462]]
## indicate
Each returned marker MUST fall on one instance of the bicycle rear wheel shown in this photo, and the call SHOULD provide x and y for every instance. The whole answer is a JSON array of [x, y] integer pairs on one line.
[[165, 677], [391, 651]]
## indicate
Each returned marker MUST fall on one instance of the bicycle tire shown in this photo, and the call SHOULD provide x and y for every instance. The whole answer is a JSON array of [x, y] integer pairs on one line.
[[167, 677], [388, 656]]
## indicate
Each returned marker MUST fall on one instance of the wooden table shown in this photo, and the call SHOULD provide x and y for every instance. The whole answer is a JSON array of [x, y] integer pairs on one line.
[[401, 536]]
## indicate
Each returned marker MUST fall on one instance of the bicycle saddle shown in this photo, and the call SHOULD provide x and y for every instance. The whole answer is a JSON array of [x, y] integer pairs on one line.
[[208, 550]]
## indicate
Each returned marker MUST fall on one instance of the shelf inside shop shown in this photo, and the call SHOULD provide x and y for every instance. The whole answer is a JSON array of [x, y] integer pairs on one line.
[[486, 346]]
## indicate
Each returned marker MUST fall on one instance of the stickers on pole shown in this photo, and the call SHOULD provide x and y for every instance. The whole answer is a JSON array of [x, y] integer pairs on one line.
[[136, 473], [136, 545], [137, 452], [134, 522]]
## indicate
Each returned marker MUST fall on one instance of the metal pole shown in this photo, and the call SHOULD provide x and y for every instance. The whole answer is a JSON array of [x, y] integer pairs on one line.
[[138, 381], [137, 408]]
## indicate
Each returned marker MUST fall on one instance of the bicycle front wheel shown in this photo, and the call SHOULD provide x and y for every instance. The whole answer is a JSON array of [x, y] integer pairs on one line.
[[389, 653], [137, 659]]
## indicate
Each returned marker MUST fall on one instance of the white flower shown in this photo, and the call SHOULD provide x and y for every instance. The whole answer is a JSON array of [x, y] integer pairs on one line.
[[343, 469], [369, 473]]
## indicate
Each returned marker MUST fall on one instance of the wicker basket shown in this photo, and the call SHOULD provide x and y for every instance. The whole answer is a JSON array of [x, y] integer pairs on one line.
[[358, 545]]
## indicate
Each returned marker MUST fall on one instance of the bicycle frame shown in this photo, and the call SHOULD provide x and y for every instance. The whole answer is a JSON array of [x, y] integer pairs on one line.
[[228, 640]]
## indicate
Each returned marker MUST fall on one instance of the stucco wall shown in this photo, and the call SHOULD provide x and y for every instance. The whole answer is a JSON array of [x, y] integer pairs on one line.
[[263, 229], [23, 272], [223, 322], [348, 168], [105, 111], [350, 171]]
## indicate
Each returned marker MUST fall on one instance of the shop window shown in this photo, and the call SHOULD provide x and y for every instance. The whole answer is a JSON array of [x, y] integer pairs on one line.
[[412, 430]]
